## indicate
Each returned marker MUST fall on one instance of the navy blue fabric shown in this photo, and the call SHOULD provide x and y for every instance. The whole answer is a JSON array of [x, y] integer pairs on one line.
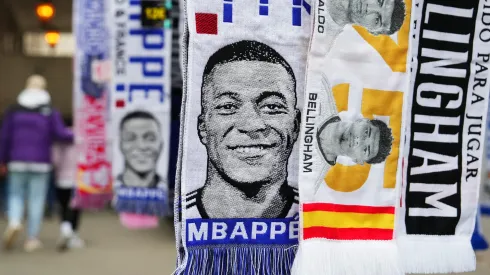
[[478, 240], [247, 231]]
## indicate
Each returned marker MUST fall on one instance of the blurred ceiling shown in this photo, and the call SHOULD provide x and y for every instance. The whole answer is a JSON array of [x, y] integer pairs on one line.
[[23, 15]]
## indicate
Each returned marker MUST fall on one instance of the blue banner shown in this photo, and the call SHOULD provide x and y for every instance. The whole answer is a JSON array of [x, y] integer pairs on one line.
[[242, 231]]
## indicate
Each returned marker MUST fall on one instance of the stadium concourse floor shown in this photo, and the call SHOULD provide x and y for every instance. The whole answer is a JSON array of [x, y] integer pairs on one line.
[[114, 250]]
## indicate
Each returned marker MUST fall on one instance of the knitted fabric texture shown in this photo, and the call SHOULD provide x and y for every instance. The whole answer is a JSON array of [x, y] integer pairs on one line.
[[243, 72], [444, 147], [141, 106]]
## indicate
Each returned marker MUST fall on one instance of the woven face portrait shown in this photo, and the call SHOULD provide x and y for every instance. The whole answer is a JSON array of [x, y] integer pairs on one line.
[[378, 17], [248, 124], [141, 146], [362, 140]]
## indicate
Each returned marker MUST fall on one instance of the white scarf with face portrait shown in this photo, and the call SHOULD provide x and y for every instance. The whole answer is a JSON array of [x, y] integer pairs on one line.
[[350, 140], [445, 123], [140, 34], [183, 40], [246, 125]]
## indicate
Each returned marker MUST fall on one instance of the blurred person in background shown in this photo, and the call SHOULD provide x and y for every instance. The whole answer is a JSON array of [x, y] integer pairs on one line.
[[28, 131], [65, 167]]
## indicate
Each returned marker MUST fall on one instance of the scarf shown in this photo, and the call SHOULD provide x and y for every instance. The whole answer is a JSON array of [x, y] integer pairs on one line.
[[141, 105], [243, 89], [350, 150], [91, 111], [183, 58], [447, 112]]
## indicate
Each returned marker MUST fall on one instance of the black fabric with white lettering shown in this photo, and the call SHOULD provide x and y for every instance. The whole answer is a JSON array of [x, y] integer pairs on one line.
[[434, 168]]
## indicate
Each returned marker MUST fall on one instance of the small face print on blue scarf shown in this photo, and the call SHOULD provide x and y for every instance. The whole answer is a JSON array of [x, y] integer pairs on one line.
[[140, 188]]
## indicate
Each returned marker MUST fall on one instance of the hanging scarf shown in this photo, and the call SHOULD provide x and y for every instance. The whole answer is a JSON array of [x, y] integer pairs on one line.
[[184, 46], [91, 100], [243, 71], [447, 113], [141, 105], [350, 140]]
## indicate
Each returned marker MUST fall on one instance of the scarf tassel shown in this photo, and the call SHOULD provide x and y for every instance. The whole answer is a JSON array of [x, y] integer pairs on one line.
[[327, 257], [428, 255], [144, 207], [239, 260]]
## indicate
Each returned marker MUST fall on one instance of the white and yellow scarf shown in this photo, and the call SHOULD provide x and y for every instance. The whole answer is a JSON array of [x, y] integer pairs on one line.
[[352, 127]]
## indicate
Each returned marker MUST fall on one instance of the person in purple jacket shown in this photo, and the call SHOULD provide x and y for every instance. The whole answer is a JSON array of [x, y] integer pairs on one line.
[[28, 130]]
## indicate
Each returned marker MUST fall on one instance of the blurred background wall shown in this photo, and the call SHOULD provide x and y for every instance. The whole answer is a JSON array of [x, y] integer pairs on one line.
[[15, 69], [23, 52]]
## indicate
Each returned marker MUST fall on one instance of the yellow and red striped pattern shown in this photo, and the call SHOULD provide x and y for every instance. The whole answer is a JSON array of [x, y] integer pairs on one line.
[[348, 222]]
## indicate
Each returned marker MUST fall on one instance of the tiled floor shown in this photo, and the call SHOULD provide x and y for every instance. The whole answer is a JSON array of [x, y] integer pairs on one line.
[[113, 250]]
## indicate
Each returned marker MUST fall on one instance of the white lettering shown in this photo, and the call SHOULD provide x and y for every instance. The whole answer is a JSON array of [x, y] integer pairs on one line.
[[277, 228], [293, 230], [436, 136], [256, 231], [435, 101], [239, 230], [446, 163], [219, 230], [446, 36], [439, 209], [200, 234], [457, 12], [446, 58]]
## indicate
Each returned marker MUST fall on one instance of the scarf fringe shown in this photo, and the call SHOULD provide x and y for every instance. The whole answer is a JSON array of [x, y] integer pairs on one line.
[[446, 254], [91, 201], [144, 207], [327, 257], [273, 260]]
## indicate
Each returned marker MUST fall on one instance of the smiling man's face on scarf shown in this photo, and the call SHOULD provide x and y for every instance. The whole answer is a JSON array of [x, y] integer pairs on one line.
[[249, 120], [377, 16]]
